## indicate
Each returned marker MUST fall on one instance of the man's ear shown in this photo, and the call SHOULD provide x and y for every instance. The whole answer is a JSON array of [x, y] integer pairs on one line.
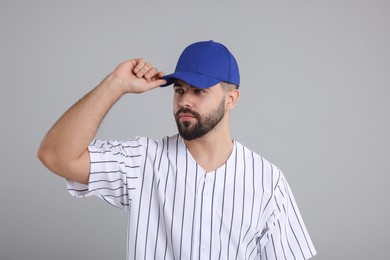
[[232, 98]]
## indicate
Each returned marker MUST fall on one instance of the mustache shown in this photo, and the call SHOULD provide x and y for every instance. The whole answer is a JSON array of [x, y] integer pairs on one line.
[[187, 111]]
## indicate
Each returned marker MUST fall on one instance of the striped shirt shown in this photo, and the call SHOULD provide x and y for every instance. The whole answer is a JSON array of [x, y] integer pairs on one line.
[[176, 210]]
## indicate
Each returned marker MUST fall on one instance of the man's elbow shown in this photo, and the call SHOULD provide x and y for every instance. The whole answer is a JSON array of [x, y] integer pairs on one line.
[[75, 170], [47, 158], [43, 155]]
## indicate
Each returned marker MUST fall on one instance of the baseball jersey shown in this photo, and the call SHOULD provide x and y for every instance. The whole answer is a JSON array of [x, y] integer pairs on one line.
[[177, 210]]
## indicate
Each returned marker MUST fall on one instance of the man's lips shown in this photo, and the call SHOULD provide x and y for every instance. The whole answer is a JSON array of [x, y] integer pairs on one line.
[[186, 116]]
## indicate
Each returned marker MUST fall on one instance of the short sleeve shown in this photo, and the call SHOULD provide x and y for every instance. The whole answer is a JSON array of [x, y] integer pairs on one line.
[[284, 235], [114, 171]]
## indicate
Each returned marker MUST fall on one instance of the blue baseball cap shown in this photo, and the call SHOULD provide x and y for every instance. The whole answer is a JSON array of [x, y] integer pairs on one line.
[[205, 64]]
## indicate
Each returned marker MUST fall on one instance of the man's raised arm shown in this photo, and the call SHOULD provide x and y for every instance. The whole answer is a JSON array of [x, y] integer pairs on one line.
[[64, 149]]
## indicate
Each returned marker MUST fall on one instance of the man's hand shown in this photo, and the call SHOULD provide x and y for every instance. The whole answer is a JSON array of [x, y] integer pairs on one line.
[[136, 76]]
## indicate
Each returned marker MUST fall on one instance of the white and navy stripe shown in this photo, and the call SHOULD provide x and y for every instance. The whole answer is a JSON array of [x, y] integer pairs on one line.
[[242, 210]]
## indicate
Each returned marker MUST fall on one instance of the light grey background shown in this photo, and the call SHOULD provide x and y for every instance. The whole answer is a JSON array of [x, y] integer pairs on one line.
[[315, 101]]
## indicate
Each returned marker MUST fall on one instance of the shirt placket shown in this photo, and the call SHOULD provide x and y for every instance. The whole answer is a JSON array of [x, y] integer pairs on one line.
[[206, 216]]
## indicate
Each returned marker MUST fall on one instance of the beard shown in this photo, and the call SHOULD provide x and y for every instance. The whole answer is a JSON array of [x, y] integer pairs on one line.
[[204, 124]]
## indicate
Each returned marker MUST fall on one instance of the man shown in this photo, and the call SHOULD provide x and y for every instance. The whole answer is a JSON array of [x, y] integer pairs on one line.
[[198, 194]]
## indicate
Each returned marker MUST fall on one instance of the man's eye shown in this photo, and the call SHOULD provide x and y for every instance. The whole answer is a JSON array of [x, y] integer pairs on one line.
[[179, 91], [198, 91]]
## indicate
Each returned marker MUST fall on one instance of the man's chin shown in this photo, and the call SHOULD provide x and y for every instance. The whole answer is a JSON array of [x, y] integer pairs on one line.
[[189, 137]]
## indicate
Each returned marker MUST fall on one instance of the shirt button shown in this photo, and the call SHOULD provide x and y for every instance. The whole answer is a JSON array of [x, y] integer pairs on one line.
[[203, 249]]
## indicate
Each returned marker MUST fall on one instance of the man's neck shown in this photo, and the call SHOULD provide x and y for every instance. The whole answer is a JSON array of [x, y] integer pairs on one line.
[[212, 150]]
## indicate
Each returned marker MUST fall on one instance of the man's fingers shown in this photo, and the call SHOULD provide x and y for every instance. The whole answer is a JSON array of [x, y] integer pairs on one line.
[[142, 68], [151, 74], [139, 75], [140, 63], [155, 83]]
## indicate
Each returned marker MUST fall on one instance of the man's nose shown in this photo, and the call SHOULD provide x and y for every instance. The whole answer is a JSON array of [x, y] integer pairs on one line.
[[186, 100]]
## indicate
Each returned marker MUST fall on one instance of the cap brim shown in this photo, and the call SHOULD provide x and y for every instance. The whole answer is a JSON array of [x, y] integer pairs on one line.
[[194, 79]]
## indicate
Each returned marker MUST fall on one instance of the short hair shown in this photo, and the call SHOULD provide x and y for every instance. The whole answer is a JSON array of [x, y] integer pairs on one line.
[[226, 86]]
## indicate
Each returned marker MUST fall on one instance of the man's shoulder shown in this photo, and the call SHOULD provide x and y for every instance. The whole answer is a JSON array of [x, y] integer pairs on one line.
[[151, 140], [253, 155], [248, 151], [165, 141], [134, 142]]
